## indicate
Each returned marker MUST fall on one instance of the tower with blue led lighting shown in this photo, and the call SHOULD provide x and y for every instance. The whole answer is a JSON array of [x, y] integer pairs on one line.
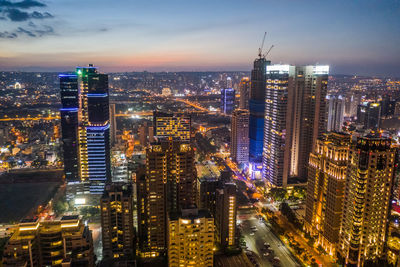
[[256, 121], [86, 128]]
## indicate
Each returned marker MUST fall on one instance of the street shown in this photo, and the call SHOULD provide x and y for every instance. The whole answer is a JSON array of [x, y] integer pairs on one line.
[[263, 234]]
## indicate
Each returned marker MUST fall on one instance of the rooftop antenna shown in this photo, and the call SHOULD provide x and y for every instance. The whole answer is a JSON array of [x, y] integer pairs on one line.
[[262, 46]]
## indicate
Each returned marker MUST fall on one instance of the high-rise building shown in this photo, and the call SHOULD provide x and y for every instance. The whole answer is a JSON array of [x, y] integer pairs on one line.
[[369, 115], [69, 126], [257, 112], [335, 113], [294, 120], [50, 243], [352, 101], [174, 125], [325, 189], [117, 221], [225, 215], [113, 124], [169, 184], [368, 188], [244, 90], [240, 136], [143, 134], [85, 127], [227, 100], [388, 106], [191, 239], [3, 135], [208, 193]]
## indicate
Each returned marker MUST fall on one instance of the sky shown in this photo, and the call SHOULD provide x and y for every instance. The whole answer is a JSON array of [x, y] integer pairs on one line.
[[353, 36]]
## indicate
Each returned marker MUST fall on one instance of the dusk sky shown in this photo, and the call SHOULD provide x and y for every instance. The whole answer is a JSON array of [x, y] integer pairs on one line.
[[354, 37]]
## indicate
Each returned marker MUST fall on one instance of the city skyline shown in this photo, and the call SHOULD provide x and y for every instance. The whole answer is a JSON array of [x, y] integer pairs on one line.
[[354, 38]]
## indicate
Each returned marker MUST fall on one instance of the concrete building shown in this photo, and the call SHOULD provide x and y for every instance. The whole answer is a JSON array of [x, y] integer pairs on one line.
[[363, 230], [50, 243], [117, 221], [227, 101], [113, 125], [336, 107], [85, 123], [257, 112], [177, 126], [295, 113], [244, 90], [240, 136], [225, 215], [191, 239], [325, 189], [168, 184], [369, 115]]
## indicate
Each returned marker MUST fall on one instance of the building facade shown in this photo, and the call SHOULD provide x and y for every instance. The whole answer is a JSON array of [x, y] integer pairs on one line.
[[256, 120], [363, 230], [177, 126], [227, 101], [50, 243], [191, 239], [225, 215], [244, 90], [335, 113], [169, 184], [369, 115], [117, 221], [294, 119], [240, 136], [325, 189], [85, 121]]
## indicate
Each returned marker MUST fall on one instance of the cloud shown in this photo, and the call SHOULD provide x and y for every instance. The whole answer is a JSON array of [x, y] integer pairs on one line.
[[27, 32], [8, 35], [17, 15], [34, 31], [38, 15], [23, 4]]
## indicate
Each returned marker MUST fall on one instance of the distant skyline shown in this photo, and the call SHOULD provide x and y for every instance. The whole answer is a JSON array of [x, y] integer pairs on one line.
[[359, 37]]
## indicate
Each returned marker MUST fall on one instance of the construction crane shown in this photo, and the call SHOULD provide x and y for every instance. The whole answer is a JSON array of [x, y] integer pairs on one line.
[[269, 50], [262, 46]]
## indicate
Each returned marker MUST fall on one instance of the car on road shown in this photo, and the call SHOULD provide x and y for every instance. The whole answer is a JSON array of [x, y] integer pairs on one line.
[[252, 233], [267, 245]]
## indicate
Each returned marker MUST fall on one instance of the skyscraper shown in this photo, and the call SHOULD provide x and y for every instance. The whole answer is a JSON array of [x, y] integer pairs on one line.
[[244, 89], [257, 110], [177, 126], [225, 214], [240, 136], [191, 239], [69, 126], [227, 100], [325, 189], [85, 127], [117, 221], [369, 115], [294, 119], [366, 201], [169, 184], [335, 113], [113, 124]]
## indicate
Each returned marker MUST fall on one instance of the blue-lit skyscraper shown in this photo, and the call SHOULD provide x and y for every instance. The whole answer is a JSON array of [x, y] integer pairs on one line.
[[256, 122], [227, 100], [85, 117]]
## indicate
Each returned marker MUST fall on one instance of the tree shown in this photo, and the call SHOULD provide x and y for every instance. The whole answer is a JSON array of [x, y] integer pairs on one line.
[[278, 194]]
